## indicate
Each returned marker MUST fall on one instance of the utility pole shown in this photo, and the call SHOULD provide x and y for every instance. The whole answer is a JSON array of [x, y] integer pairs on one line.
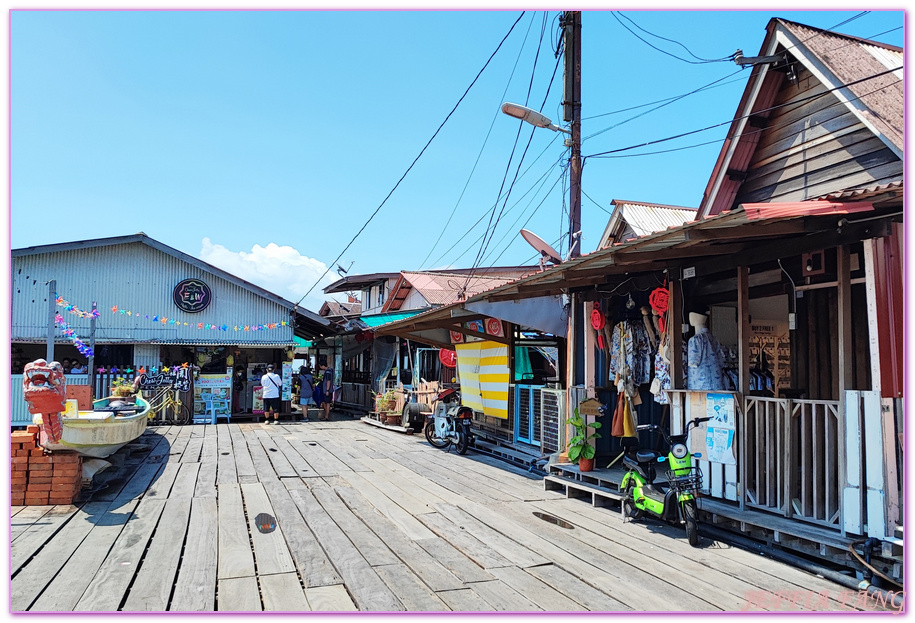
[[571, 112]]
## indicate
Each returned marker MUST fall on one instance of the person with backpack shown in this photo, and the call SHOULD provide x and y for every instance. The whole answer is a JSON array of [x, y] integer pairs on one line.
[[324, 393], [271, 384], [306, 390]]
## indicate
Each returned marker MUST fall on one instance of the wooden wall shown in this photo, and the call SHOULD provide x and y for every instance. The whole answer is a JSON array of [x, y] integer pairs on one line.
[[811, 148]]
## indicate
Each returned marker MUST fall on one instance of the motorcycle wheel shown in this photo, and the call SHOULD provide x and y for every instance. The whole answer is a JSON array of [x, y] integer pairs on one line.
[[463, 440], [691, 517], [431, 438], [630, 512]]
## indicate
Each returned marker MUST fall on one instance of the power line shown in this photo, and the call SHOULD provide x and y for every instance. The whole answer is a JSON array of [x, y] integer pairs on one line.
[[700, 60], [717, 125], [711, 85], [749, 133], [415, 160], [483, 146], [479, 220], [491, 227], [666, 103]]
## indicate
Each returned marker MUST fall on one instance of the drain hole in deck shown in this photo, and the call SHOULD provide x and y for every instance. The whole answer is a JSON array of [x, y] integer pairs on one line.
[[272, 449], [312, 444], [555, 520], [224, 453]]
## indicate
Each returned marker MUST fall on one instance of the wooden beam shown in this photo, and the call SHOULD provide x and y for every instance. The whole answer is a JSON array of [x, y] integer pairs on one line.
[[743, 327], [675, 253], [769, 230]]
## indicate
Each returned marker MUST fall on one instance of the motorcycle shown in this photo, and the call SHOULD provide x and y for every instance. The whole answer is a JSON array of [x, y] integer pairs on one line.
[[449, 423], [674, 502]]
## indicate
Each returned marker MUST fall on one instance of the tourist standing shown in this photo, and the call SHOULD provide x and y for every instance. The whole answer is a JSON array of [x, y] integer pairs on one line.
[[271, 384], [306, 390], [327, 392]]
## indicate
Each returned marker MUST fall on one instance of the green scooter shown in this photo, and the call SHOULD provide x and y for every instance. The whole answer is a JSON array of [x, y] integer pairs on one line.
[[674, 501]]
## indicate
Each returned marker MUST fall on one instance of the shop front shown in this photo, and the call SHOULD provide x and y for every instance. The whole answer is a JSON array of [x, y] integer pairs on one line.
[[118, 306]]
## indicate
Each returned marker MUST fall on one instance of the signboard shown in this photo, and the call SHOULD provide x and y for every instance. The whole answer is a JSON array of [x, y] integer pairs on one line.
[[175, 378], [287, 381], [589, 407], [257, 403], [192, 296], [211, 389]]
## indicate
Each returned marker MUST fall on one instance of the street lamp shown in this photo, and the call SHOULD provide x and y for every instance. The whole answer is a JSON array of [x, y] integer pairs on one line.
[[531, 116]]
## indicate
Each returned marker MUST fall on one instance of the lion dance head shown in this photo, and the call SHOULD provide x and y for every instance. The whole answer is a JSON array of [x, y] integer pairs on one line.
[[45, 389]]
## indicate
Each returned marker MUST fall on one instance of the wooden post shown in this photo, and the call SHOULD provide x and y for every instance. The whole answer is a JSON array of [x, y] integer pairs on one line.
[[675, 326], [590, 358], [52, 311], [743, 328], [743, 363], [846, 374]]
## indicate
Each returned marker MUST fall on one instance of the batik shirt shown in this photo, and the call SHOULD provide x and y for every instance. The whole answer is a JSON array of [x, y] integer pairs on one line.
[[630, 346], [705, 362]]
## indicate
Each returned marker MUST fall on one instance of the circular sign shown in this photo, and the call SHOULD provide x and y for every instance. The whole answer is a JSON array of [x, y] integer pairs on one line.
[[192, 295], [448, 357], [494, 327]]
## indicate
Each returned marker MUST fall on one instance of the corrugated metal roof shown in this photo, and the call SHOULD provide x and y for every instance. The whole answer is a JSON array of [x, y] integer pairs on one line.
[[643, 219], [379, 319], [445, 288], [138, 278], [864, 193]]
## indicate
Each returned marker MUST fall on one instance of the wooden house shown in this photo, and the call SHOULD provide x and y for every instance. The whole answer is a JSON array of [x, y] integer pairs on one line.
[[796, 257]]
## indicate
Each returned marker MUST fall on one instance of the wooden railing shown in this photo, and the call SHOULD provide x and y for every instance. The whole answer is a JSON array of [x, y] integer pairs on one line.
[[764, 455], [790, 461], [814, 460]]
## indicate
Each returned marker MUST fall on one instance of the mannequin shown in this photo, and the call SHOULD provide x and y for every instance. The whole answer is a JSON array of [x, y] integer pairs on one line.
[[705, 358]]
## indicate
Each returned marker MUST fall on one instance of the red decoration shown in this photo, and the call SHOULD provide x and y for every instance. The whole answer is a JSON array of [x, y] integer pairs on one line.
[[659, 300], [448, 357], [597, 318], [494, 327]]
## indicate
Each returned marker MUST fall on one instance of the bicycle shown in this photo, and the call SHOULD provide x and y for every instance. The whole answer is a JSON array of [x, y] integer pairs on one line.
[[166, 408]]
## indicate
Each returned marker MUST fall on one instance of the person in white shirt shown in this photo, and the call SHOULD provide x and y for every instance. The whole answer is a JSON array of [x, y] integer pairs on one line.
[[77, 368], [272, 383]]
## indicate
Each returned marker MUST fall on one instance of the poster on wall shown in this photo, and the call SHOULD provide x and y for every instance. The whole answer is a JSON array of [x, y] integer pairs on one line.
[[211, 390], [287, 381], [719, 437], [257, 403]]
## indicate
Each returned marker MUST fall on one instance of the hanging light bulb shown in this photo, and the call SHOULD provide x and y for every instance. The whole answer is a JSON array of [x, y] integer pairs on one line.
[[630, 303]]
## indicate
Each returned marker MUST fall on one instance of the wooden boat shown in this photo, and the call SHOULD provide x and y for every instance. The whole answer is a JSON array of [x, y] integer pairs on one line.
[[104, 430]]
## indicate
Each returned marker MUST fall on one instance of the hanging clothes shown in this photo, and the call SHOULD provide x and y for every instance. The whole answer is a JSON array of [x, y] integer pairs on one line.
[[630, 352], [662, 371], [705, 362]]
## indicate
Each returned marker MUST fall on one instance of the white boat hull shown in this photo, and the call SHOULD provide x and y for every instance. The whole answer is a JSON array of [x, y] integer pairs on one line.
[[99, 434]]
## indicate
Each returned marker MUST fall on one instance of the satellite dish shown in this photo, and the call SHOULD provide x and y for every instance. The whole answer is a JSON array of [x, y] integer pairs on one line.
[[547, 253]]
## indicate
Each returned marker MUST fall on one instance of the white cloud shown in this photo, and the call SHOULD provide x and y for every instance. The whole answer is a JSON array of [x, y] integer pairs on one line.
[[281, 270]]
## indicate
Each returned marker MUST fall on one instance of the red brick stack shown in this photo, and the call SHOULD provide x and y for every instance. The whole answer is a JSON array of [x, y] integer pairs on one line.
[[38, 478]]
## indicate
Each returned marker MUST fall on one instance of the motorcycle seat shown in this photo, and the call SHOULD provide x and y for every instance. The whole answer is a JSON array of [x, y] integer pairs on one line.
[[647, 456]]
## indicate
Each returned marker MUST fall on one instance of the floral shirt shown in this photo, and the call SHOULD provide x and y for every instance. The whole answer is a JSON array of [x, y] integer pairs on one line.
[[705, 362]]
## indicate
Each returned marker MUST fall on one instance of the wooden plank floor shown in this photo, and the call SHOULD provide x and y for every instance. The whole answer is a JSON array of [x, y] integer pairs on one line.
[[340, 516]]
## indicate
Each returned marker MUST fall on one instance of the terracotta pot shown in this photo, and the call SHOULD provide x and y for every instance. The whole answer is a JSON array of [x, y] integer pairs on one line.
[[585, 465]]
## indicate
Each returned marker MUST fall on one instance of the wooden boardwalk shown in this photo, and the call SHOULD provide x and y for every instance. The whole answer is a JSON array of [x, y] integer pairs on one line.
[[342, 516]]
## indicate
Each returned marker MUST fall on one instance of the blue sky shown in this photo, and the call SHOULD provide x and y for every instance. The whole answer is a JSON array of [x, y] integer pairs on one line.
[[262, 142]]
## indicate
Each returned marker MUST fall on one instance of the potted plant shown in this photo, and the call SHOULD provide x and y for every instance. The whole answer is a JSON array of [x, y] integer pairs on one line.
[[579, 446], [123, 389], [384, 403]]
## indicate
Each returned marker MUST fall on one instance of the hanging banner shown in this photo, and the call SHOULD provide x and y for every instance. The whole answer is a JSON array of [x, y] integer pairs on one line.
[[483, 371]]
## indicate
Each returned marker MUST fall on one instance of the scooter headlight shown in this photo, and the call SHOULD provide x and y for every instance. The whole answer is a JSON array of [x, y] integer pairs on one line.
[[679, 450]]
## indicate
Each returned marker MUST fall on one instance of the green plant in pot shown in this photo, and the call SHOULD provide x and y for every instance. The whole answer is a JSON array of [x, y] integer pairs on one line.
[[385, 402], [579, 447], [123, 389]]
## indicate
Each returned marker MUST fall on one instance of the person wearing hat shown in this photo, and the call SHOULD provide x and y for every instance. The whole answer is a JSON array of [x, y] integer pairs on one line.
[[272, 384]]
